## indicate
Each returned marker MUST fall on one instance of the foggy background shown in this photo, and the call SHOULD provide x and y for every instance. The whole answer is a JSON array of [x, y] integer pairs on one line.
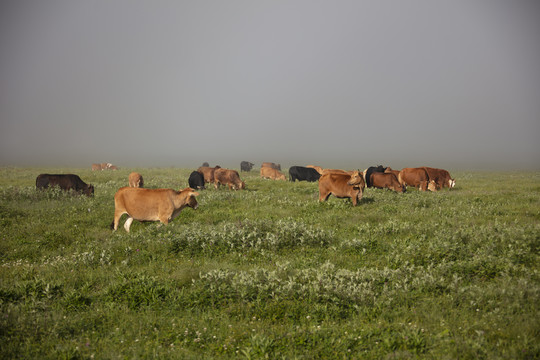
[[453, 84]]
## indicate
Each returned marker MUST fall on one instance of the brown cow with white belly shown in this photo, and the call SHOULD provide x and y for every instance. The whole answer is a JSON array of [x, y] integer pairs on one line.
[[270, 173], [342, 186], [136, 180], [386, 181], [418, 178], [441, 177], [228, 177], [151, 204], [208, 173]]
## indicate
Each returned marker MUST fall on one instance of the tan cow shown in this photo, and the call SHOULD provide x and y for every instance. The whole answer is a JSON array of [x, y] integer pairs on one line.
[[151, 204], [269, 173], [96, 167], [136, 180], [441, 177], [342, 186], [386, 181], [271, 165], [208, 173], [418, 178], [228, 177]]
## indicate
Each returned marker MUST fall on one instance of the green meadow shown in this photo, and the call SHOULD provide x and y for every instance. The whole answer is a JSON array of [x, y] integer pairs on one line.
[[271, 273]]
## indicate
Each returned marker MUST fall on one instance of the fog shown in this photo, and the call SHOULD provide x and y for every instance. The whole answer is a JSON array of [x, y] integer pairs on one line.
[[452, 84]]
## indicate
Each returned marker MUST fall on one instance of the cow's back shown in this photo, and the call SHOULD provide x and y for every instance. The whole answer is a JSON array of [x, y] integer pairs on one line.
[[141, 203]]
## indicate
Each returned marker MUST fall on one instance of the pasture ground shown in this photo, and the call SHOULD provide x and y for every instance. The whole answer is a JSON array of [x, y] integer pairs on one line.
[[269, 272]]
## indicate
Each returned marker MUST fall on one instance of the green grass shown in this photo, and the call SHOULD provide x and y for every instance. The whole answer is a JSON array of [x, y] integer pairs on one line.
[[269, 272]]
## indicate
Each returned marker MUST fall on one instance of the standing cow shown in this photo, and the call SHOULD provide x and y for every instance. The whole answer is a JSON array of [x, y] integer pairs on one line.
[[418, 178], [66, 182], [208, 173], [246, 166], [151, 204], [342, 186], [441, 177], [386, 181], [271, 165]]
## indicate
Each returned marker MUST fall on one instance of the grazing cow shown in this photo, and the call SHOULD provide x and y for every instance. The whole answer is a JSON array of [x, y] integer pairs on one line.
[[96, 167], [417, 177], [271, 165], [246, 166], [65, 182], [136, 180], [441, 177], [318, 168], [151, 204], [196, 180], [208, 173], [342, 186], [269, 173], [301, 173], [370, 170], [228, 177], [386, 181]]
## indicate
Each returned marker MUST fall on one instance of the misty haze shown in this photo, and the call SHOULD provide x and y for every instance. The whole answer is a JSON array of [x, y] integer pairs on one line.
[[452, 84]]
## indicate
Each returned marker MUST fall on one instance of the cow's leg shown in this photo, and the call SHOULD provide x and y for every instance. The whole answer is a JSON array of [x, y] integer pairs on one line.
[[423, 185], [117, 216], [324, 196], [128, 222]]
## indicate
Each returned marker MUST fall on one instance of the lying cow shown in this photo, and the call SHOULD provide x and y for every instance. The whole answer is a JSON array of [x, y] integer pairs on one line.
[[441, 177], [342, 186], [65, 182], [271, 165], [228, 177], [151, 204], [418, 178], [136, 180], [386, 181], [208, 173], [269, 173], [301, 173], [196, 180]]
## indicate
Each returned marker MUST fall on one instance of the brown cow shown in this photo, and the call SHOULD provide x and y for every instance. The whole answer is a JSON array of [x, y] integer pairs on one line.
[[342, 186], [208, 173], [228, 177], [151, 204], [416, 177], [389, 170], [136, 180], [441, 177], [386, 181], [269, 173], [271, 165], [96, 167]]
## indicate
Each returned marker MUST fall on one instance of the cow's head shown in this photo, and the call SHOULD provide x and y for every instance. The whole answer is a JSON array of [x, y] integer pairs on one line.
[[190, 199], [357, 180], [432, 186], [451, 183], [89, 191]]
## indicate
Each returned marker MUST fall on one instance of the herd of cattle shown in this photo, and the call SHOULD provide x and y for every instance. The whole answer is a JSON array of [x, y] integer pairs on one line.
[[165, 204]]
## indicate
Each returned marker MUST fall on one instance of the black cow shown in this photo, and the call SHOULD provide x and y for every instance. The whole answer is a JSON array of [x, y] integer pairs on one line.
[[205, 164], [65, 182], [370, 170], [196, 180], [301, 173], [246, 166]]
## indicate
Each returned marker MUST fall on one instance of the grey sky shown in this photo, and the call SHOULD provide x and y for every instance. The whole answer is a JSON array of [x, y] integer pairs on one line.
[[452, 84]]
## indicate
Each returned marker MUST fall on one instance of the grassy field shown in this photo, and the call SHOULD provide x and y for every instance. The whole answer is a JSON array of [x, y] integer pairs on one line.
[[268, 272]]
